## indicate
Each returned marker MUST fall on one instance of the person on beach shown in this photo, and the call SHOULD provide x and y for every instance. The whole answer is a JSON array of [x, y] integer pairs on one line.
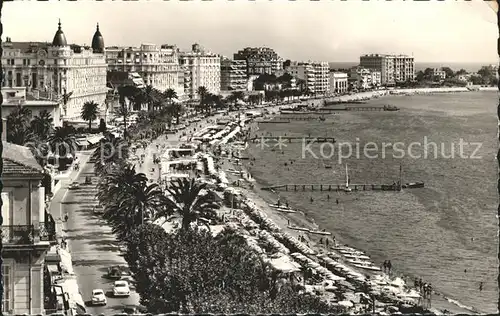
[[481, 287], [416, 284], [328, 197], [337, 201], [312, 200], [327, 242], [66, 217], [420, 285], [384, 265], [389, 266]]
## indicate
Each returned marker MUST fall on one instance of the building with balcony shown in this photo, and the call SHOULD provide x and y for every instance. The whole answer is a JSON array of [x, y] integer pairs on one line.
[[260, 60], [203, 69], [363, 78], [16, 96], [233, 75], [315, 74], [157, 65], [338, 82], [51, 70], [27, 231], [393, 68]]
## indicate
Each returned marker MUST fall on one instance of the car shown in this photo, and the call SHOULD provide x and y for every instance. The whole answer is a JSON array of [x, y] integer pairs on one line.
[[97, 210], [120, 288], [74, 185], [116, 273], [98, 297], [132, 309]]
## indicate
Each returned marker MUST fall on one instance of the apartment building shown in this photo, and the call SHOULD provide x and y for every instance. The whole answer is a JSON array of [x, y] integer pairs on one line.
[[363, 78], [233, 75], [260, 60], [338, 82], [51, 70], [393, 68], [315, 74], [158, 65], [27, 232], [438, 73], [203, 68]]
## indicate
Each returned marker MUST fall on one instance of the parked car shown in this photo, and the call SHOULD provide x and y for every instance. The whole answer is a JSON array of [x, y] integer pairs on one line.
[[97, 210], [132, 309], [120, 288], [73, 186], [98, 297]]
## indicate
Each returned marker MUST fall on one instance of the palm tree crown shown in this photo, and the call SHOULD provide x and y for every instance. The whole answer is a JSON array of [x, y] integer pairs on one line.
[[89, 113]]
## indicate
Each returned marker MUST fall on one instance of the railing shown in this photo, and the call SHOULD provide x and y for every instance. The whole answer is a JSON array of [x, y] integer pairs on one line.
[[18, 234]]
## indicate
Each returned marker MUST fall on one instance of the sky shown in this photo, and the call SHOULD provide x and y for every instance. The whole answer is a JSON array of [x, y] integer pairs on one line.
[[435, 31]]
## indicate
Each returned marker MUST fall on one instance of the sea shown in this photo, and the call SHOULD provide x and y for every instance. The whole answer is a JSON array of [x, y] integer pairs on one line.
[[470, 67], [445, 233]]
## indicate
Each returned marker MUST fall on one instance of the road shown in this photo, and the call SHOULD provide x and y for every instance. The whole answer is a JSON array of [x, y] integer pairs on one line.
[[93, 247]]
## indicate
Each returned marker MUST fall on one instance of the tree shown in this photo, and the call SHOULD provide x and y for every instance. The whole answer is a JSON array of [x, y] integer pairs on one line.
[[461, 72], [449, 72], [191, 202], [62, 142], [89, 113], [102, 126], [287, 63], [125, 92], [65, 98], [175, 110], [194, 272], [18, 126], [129, 201], [170, 94], [150, 96], [41, 124], [202, 92], [112, 152]]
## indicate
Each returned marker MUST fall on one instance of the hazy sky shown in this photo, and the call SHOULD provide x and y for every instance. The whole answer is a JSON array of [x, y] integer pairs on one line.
[[448, 31]]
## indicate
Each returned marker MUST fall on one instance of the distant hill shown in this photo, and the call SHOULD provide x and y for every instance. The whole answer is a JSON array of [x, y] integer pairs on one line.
[[470, 67]]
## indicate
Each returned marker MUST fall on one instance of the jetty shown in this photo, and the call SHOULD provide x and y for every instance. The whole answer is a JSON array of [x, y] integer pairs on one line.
[[292, 138], [335, 187]]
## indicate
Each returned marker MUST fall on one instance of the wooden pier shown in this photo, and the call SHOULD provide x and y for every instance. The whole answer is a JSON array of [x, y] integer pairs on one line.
[[292, 138], [334, 187], [299, 118]]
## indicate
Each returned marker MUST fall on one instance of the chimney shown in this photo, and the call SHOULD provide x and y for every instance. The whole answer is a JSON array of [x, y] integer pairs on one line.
[[4, 129]]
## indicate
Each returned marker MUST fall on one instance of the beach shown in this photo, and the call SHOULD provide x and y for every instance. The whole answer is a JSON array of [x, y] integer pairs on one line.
[[444, 233]]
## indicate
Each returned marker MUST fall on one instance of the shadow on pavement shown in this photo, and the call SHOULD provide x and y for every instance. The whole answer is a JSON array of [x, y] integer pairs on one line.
[[94, 262]]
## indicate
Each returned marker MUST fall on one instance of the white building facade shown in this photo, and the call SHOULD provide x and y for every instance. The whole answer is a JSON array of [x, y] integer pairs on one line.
[[203, 68], [338, 82], [157, 65], [51, 71], [393, 68], [315, 74], [363, 78]]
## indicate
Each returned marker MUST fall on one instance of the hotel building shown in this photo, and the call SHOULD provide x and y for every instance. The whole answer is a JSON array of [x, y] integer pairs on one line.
[[260, 60], [203, 68], [393, 68], [51, 70], [363, 78], [315, 74], [233, 75], [157, 65], [438, 73]]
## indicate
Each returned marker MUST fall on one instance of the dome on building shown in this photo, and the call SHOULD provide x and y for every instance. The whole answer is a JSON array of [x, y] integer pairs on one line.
[[59, 38], [97, 41]]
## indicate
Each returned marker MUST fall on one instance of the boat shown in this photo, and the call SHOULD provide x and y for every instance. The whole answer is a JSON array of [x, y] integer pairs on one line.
[[390, 108], [286, 210], [347, 188], [370, 267], [355, 256], [320, 232], [413, 185]]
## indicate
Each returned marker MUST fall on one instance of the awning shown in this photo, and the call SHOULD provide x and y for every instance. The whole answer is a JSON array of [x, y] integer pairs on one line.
[[81, 142], [76, 301], [94, 140]]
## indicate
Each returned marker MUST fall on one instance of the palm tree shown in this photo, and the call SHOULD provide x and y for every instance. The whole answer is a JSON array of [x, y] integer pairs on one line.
[[125, 92], [89, 112], [175, 110], [41, 124], [238, 95], [170, 94], [129, 200], [191, 203], [202, 92], [65, 99], [18, 126], [111, 153], [149, 96], [62, 142]]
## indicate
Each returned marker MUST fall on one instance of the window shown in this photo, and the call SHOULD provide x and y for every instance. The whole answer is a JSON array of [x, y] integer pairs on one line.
[[18, 79], [7, 289]]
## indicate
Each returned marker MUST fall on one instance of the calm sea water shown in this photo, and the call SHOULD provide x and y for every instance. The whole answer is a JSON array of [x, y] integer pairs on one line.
[[471, 67], [445, 233]]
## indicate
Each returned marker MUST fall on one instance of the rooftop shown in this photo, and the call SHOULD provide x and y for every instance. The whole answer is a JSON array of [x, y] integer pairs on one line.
[[19, 160]]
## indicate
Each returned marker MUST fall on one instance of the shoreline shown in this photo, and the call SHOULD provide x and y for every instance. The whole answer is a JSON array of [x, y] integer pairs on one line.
[[440, 301]]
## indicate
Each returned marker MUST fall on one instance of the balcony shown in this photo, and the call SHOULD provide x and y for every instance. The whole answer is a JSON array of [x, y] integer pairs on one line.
[[48, 232], [18, 235]]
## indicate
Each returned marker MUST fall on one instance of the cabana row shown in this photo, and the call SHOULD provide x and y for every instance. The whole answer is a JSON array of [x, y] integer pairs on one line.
[[337, 266], [327, 274], [231, 135]]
